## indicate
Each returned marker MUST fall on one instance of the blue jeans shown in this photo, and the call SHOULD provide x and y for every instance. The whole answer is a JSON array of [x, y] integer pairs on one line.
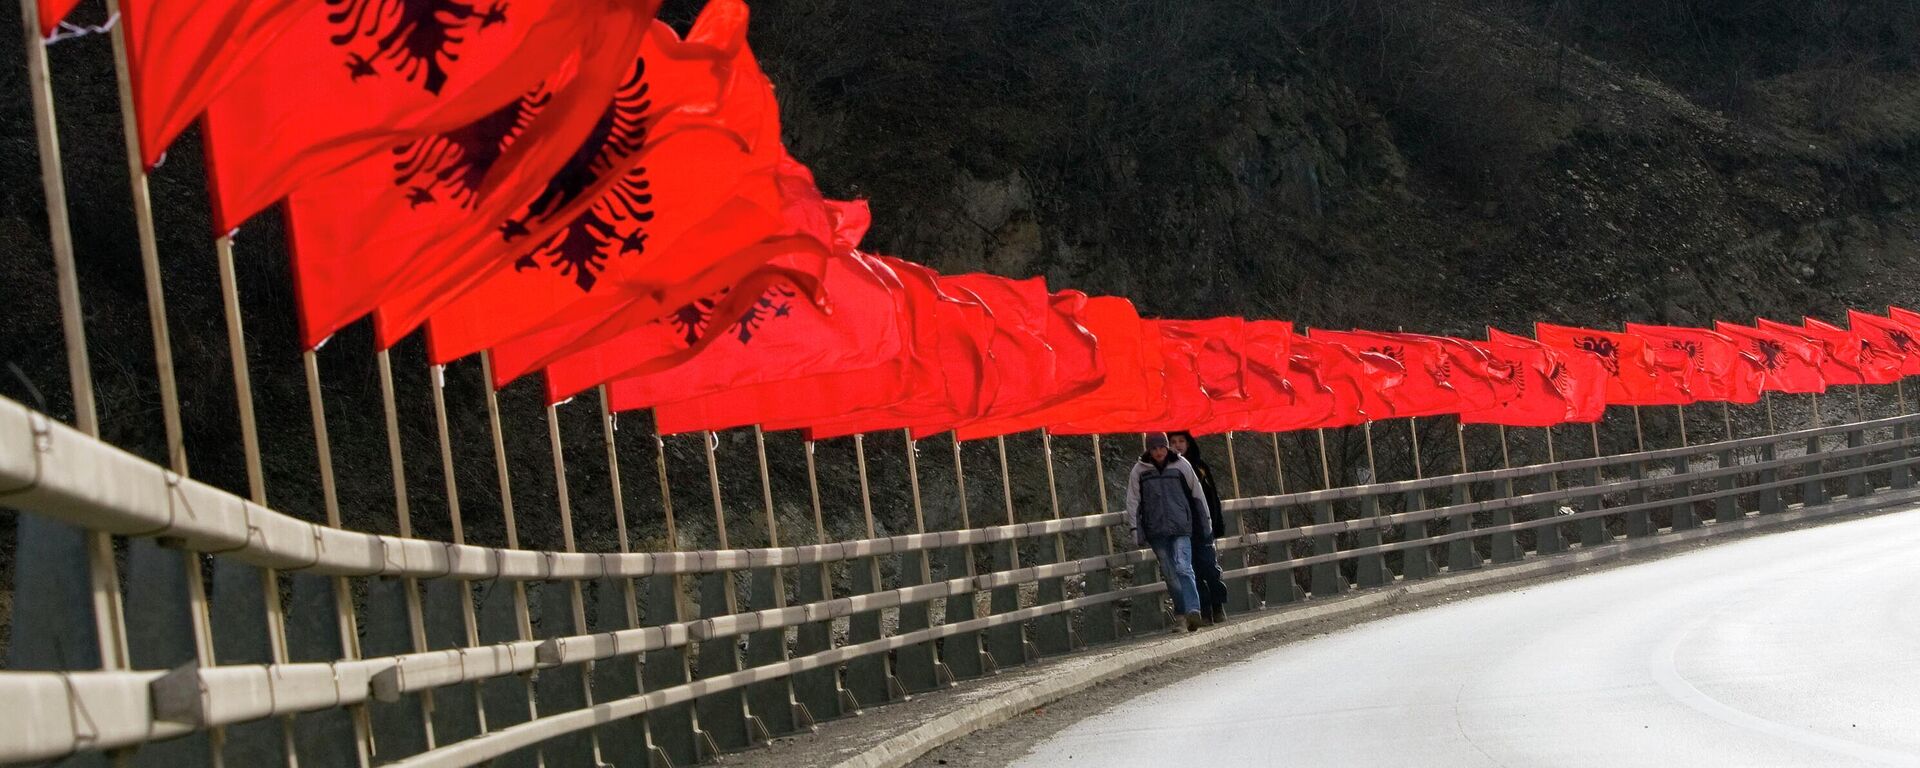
[[1175, 554], [1207, 575]]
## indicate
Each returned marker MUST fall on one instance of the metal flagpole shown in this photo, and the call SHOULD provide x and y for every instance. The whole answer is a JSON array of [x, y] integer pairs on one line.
[[1460, 432], [469, 621], [1768, 397], [1100, 481], [1233, 466], [1279, 467], [1859, 404], [349, 633], [980, 647], [1817, 421], [523, 621], [941, 671], [103, 571], [730, 600], [1326, 472], [1682, 408], [403, 522], [1726, 416], [873, 563], [702, 739], [802, 717], [576, 599], [840, 691], [630, 600], [1593, 429], [149, 250], [1413, 439], [1639, 437]]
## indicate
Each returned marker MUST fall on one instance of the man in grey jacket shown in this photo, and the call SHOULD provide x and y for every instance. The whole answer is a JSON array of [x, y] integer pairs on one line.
[[1162, 494]]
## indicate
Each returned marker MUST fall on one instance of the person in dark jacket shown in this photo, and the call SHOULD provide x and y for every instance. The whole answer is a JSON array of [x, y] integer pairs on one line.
[[1206, 560], [1167, 511]]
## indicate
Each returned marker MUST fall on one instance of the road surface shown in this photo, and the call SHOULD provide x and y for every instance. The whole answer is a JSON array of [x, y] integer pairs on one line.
[[1795, 649]]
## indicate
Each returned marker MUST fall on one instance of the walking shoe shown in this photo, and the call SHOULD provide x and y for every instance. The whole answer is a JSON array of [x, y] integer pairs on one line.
[[1206, 616], [1193, 621], [1219, 614], [1177, 628]]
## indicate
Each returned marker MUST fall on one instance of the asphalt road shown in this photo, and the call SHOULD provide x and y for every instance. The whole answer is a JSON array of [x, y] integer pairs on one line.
[[1795, 649]]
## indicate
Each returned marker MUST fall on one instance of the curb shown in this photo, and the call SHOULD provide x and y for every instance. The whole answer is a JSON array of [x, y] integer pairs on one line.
[[905, 747]]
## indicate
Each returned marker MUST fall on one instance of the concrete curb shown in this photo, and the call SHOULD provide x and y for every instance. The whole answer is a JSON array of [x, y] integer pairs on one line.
[[905, 747]]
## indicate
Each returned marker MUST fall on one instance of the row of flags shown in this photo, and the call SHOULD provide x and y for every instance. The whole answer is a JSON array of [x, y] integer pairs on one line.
[[590, 196]]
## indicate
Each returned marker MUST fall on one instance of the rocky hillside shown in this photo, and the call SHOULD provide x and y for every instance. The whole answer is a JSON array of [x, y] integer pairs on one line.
[[1386, 163]]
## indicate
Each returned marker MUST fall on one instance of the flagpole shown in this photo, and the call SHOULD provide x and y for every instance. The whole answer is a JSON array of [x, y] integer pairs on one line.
[[109, 615], [919, 527], [1279, 468], [348, 632], [1768, 397], [53, 183], [1859, 404], [1460, 433], [1639, 438], [892, 684], [575, 595], [840, 692], [1817, 421], [1593, 429], [1233, 466], [1726, 415], [1413, 436], [1100, 482], [1682, 409], [149, 250], [730, 601], [1506, 462], [802, 717], [1373, 475], [1059, 539], [677, 585], [1326, 472], [403, 524], [980, 648], [630, 601]]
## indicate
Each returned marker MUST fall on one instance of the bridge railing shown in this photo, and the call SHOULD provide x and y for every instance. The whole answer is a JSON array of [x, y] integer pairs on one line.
[[688, 683]]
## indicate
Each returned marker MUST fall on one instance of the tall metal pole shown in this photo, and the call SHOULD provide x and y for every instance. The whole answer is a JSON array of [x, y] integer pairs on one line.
[[576, 599], [1639, 437], [1768, 397], [1413, 439], [103, 571], [629, 597], [349, 633], [1682, 409], [1726, 416], [149, 250], [522, 619], [1279, 467], [1326, 472], [66, 279], [1233, 466], [403, 523], [469, 621]]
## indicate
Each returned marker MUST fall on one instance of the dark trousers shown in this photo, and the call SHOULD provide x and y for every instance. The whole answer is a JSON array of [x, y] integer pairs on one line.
[[1206, 573]]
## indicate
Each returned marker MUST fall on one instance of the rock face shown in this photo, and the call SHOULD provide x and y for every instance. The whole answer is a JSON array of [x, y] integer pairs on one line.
[[1383, 163]]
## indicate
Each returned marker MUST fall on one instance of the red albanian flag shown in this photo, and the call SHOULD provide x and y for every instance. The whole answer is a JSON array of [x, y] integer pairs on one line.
[[1468, 371], [868, 330], [949, 378], [1332, 385], [1868, 352], [182, 54], [1424, 388], [51, 12], [1022, 362], [627, 232], [1788, 362], [597, 347], [354, 81], [1711, 360], [944, 337], [372, 231], [1217, 356], [1183, 400], [1544, 386], [1148, 402], [1838, 351], [1634, 375], [1888, 338], [782, 339], [1078, 340], [1265, 347], [1908, 320]]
